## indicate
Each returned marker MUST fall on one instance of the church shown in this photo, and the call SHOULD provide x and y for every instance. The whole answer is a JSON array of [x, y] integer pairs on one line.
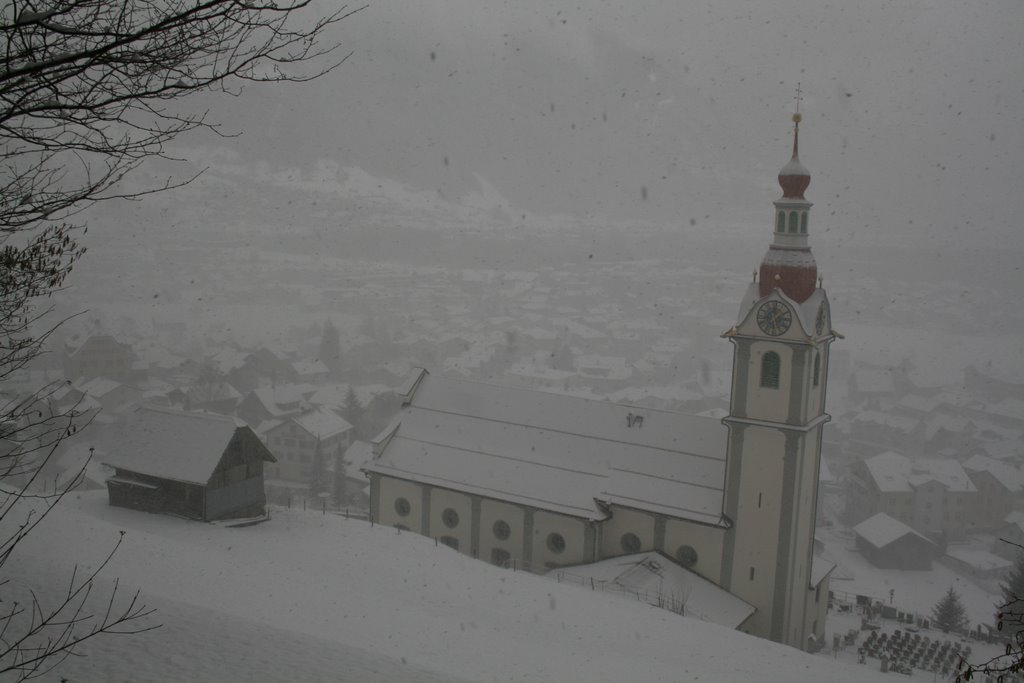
[[543, 481]]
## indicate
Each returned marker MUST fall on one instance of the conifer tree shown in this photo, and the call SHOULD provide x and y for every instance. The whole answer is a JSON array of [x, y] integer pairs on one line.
[[354, 411], [950, 614]]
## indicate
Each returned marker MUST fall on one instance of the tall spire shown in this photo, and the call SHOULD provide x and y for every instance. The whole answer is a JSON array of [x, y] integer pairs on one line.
[[789, 264], [794, 176]]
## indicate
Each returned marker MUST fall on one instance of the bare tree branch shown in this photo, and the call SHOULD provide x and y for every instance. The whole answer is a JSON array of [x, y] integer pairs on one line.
[[89, 90]]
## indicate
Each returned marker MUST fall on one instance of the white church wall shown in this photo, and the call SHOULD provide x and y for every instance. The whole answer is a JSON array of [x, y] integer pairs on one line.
[[803, 609], [816, 613], [769, 403], [391, 491], [547, 527], [816, 395], [706, 541], [451, 516], [491, 513], [625, 521], [757, 524]]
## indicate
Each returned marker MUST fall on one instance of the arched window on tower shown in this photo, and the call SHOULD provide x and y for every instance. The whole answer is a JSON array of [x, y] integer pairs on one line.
[[817, 367], [794, 221], [803, 223], [770, 370], [780, 222]]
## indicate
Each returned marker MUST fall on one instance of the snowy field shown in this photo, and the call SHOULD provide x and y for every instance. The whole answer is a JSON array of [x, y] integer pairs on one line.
[[306, 597]]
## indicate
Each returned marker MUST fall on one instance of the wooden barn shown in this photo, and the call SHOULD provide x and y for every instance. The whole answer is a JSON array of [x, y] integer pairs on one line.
[[194, 465], [890, 544]]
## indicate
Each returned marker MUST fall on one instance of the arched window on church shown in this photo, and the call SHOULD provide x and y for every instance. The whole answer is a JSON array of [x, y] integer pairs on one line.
[[794, 221], [817, 367], [770, 370], [780, 222], [803, 223]]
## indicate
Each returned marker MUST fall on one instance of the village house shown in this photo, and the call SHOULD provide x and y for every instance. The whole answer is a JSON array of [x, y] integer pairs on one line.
[[935, 496], [299, 441], [890, 544], [194, 465], [111, 395], [1000, 490], [99, 355], [265, 404]]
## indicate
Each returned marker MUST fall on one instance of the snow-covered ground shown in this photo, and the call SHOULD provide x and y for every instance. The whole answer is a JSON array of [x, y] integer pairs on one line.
[[913, 591], [308, 597]]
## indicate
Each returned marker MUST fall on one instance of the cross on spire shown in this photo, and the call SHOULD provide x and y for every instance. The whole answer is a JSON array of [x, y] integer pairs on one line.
[[798, 97]]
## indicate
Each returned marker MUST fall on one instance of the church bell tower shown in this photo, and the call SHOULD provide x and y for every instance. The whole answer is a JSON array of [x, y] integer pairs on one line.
[[777, 411]]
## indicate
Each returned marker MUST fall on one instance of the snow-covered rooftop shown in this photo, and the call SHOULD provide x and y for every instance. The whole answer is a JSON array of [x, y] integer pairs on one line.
[[981, 560], [895, 472], [664, 583], [99, 386], [322, 423], [881, 530], [557, 452], [1011, 477], [169, 444]]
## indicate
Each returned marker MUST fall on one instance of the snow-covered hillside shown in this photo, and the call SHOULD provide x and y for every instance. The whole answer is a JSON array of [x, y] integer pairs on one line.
[[306, 597]]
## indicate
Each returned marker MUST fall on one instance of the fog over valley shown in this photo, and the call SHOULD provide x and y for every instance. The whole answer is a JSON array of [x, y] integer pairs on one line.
[[498, 353]]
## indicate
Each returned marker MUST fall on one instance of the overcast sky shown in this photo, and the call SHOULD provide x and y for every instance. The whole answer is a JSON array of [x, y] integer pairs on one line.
[[668, 110]]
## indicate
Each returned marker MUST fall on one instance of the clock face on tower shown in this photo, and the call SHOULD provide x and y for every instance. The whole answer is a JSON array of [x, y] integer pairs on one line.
[[819, 322], [774, 318]]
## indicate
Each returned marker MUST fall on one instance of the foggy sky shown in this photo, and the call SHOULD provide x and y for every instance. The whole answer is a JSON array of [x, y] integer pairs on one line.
[[913, 110]]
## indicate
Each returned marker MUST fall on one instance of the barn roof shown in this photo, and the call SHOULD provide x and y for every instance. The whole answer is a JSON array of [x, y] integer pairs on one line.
[[1007, 474], [881, 530], [556, 452], [169, 444]]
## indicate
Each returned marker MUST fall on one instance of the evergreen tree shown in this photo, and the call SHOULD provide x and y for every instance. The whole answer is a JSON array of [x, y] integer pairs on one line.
[[950, 614], [354, 411]]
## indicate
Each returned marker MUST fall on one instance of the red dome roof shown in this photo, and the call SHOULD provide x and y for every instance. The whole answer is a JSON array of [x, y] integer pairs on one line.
[[794, 179], [794, 271]]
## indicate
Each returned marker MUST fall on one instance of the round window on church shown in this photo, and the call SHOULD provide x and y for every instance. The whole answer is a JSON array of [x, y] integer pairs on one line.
[[630, 542], [402, 507], [501, 530], [450, 518], [556, 543], [686, 555]]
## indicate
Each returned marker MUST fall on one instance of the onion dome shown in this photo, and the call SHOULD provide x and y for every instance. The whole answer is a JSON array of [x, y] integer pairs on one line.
[[794, 176], [789, 264]]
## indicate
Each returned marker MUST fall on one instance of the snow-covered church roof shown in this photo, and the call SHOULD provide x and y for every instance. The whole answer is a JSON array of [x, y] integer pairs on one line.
[[555, 452]]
